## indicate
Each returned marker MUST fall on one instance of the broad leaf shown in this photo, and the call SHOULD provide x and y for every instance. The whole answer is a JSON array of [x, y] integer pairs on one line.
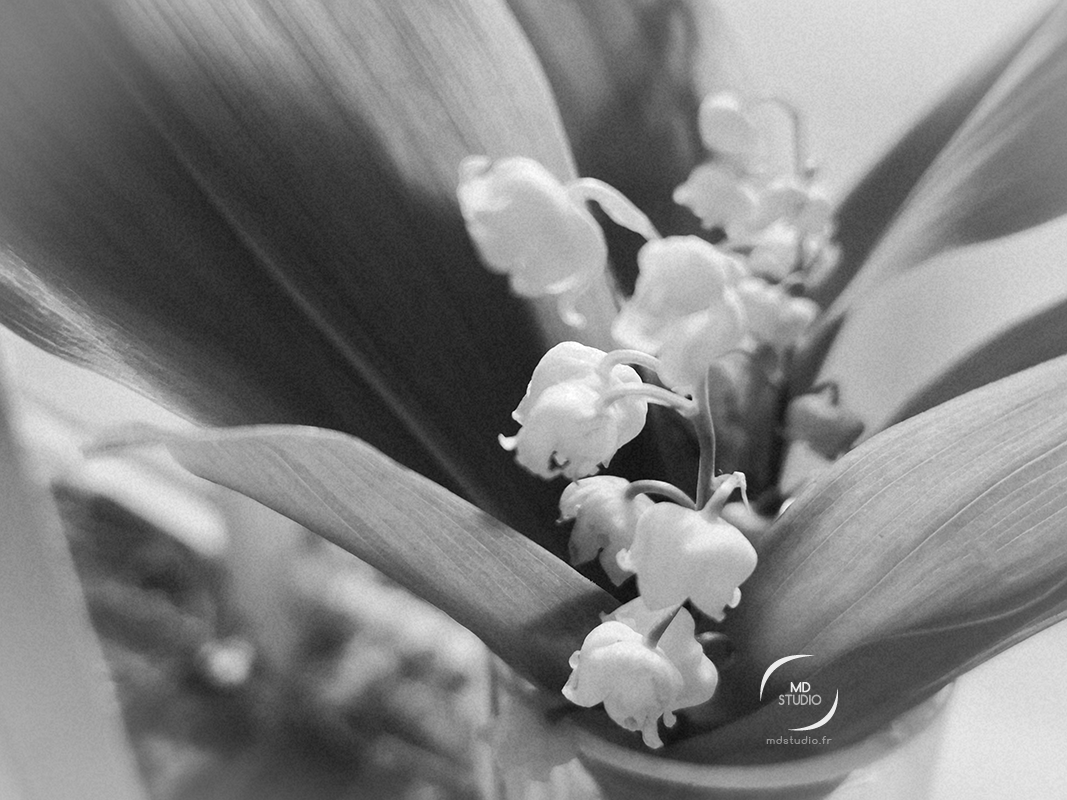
[[1040, 338], [528, 606], [249, 210], [933, 546]]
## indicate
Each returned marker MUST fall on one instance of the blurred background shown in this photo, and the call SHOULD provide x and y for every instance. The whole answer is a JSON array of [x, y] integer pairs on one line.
[[861, 72]]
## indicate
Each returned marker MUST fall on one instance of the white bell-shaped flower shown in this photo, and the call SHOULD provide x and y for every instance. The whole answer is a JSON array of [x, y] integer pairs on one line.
[[680, 554], [719, 197], [640, 682], [604, 521], [774, 316], [678, 276], [567, 428], [526, 225], [679, 644]]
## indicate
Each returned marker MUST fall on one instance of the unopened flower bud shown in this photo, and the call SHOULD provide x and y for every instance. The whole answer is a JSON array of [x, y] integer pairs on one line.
[[827, 427], [774, 316], [725, 128], [527, 226]]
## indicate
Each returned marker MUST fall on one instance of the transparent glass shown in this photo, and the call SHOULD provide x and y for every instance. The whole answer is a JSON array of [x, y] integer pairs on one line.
[[897, 763]]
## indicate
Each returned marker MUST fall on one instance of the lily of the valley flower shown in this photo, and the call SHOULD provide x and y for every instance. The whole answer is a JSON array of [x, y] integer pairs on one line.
[[528, 227], [720, 198], [804, 207], [683, 308], [680, 554], [679, 276], [698, 673], [639, 681], [726, 129], [605, 521], [567, 427], [774, 317], [775, 252]]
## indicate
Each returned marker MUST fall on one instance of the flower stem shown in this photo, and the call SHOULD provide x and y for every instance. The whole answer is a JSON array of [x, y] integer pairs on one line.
[[663, 489], [653, 394], [705, 429], [653, 636], [801, 165], [637, 357], [724, 487], [615, 204]]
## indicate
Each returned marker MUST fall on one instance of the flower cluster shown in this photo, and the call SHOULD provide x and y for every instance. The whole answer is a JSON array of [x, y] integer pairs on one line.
[[782, 220], [696, 302]]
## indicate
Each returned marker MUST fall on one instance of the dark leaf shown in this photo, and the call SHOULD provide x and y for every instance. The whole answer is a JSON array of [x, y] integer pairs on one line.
[[623, 72], [249, 211]]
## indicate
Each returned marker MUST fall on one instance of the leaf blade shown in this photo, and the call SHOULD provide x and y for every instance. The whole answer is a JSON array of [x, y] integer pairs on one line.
[[251, 211], [528, 606], [920, 554]]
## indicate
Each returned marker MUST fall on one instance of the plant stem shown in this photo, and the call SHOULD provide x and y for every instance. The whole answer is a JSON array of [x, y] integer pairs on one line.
[[663, 489], [616, 357], [705, 429], [653, 394]]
